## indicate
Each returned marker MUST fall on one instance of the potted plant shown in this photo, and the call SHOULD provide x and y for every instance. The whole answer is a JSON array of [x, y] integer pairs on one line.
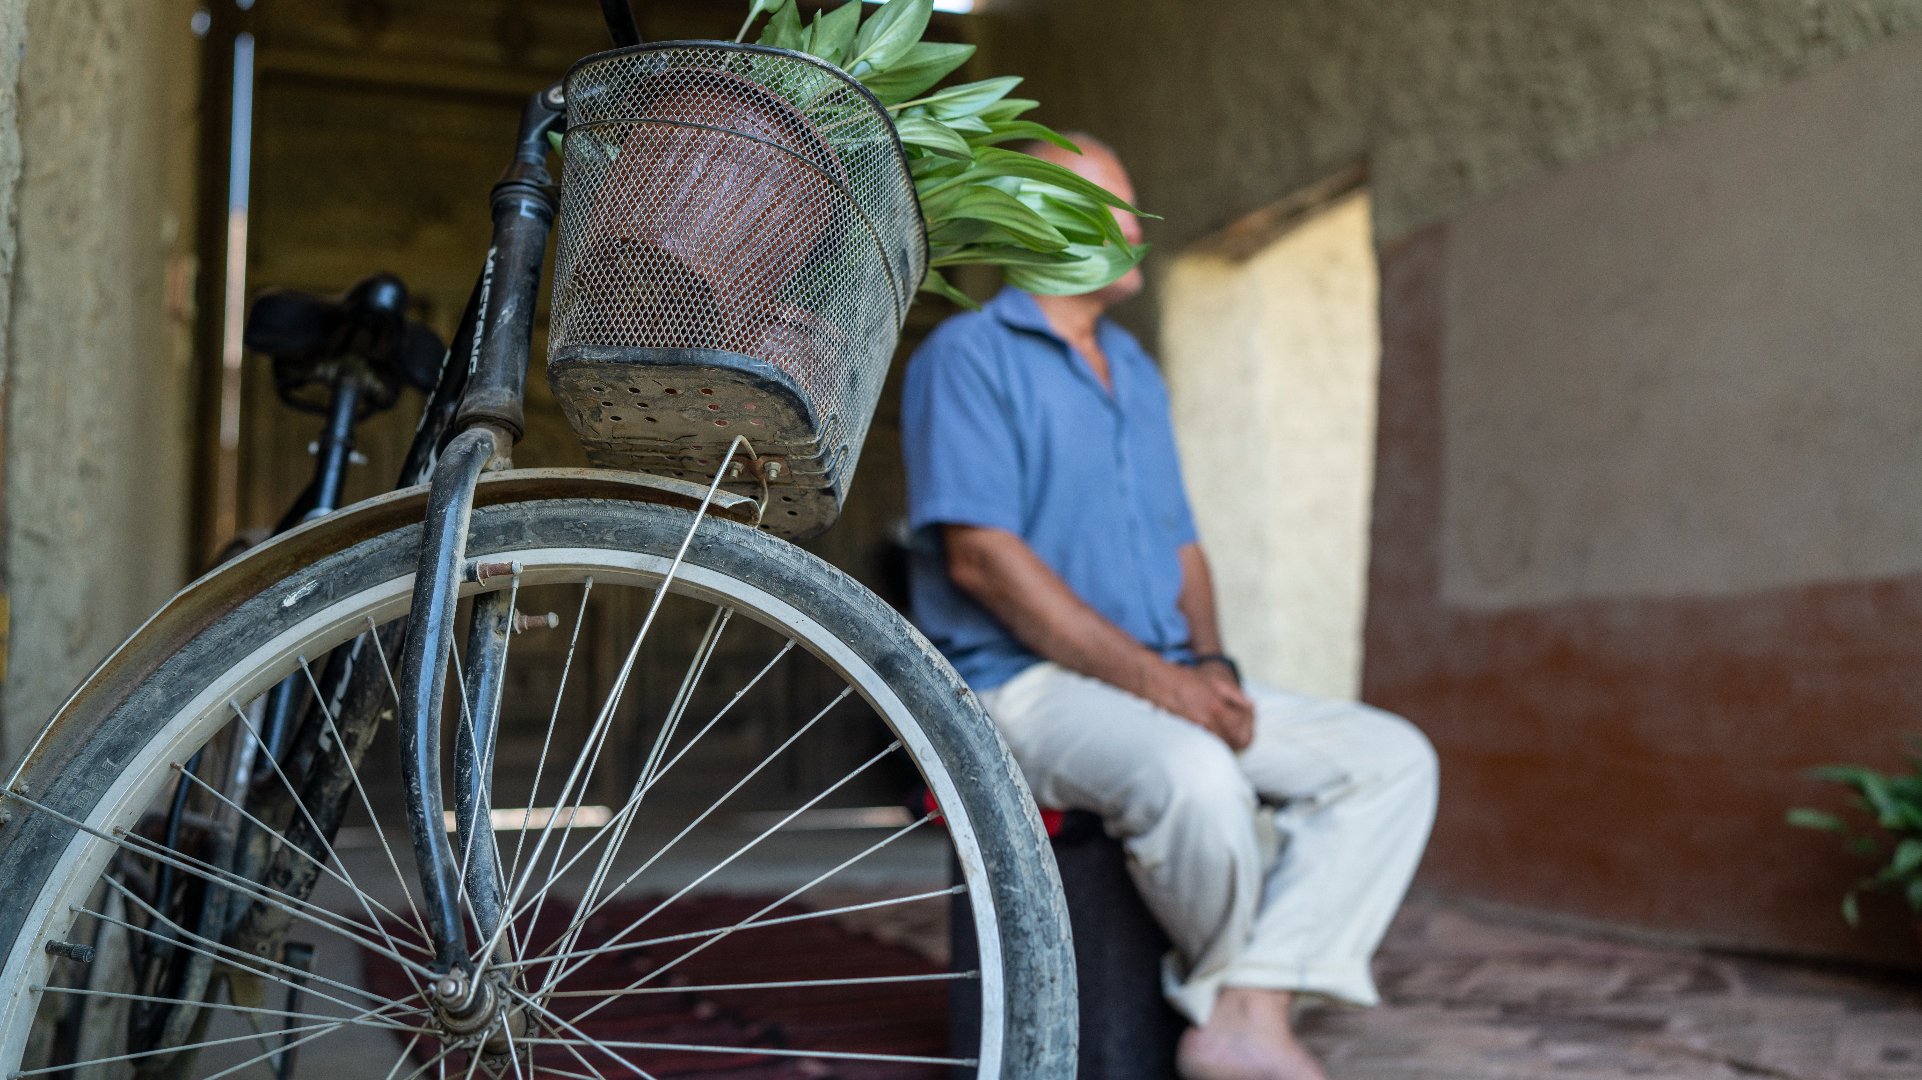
[[1893, 803]]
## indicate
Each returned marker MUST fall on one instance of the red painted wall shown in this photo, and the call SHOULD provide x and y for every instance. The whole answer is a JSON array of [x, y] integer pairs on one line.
[[1626, 761]]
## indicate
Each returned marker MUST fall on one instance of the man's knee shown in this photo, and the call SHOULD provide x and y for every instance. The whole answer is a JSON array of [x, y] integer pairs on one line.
[[1193, 775], [1397, 750]]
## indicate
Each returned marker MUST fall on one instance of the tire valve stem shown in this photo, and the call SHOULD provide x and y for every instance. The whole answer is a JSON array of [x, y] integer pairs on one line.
[[72, 950]]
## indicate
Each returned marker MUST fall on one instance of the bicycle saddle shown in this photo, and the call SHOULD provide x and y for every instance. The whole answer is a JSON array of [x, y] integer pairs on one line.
[[305, 334]]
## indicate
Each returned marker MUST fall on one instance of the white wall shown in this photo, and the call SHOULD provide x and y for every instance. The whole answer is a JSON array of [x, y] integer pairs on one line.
[[1272, 363]]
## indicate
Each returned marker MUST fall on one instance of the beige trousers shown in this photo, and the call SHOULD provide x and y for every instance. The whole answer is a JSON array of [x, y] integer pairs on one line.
[[1355, 788]]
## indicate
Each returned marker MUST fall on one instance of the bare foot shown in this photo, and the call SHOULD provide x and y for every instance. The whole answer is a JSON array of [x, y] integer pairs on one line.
[[1246, 1038]]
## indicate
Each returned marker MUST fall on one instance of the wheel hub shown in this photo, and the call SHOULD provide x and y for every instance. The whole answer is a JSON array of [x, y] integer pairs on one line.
[[475, 1009]]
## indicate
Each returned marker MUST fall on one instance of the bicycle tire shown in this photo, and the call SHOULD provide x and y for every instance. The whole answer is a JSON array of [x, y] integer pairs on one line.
[[104, 769]]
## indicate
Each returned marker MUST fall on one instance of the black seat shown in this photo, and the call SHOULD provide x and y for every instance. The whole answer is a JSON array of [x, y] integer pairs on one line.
[[305, 334]]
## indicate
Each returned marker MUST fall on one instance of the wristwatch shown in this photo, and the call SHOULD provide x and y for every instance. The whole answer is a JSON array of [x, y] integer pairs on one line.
[[1220, 658]]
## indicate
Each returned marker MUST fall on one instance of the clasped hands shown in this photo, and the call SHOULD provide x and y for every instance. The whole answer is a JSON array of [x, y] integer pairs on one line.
[[1207, 696]]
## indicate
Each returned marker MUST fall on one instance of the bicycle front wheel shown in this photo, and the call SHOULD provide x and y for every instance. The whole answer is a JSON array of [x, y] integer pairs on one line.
[[709, 833]]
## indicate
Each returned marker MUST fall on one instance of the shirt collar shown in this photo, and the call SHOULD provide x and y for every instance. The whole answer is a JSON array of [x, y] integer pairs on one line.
[[1018, 309]]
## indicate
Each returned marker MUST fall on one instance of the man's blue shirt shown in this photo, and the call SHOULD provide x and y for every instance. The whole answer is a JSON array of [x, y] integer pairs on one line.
[[1004, 425]]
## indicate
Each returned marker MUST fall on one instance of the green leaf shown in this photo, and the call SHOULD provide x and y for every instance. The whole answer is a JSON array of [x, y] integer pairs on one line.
[[1006, 131], [966, 99], [1803, 817], [1096, 268], [919, 68], [1914, 894], [1082, 220], [1851, 909], [1022, 223], [555, 140], [834, 31], [924, 169], [935, 136], [993, 161], [784, 30], [969, 126], [888, 34], [1906, 861], [990, 254], [755, 10], [1008, 109], [939, 286]]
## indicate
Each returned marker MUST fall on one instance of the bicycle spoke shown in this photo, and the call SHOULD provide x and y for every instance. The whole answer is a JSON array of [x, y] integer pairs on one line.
[[795, 984], [344, 876], [281, 1049], [513, 1051], [590, 752], [786, 648], [742, 850], [770, 1051], [280, 839], [367, 803], [557, 1021], [547, 739], [405, 1053], [631, 806], [214, 950], [246, 1010], [690, 935], [372, 637], [710, 639], [156, 852], [744, 923], [226, 1040]]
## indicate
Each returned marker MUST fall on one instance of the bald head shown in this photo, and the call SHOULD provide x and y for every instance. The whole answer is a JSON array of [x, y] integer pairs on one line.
[[1097, 162]]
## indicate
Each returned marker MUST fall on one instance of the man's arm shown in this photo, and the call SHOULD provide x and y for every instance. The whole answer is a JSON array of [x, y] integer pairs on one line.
[[1004, 575], [1197, 604]]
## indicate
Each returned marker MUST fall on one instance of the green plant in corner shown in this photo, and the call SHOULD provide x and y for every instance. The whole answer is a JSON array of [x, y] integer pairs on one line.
[[1893, 801], [1046, 228]]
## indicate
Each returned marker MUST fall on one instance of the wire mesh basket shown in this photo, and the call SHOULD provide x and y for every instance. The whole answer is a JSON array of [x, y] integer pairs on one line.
[[739, 241]]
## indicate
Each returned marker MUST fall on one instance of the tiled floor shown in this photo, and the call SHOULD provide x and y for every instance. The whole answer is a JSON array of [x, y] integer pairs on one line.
[[1476, 996], [1479, 996]]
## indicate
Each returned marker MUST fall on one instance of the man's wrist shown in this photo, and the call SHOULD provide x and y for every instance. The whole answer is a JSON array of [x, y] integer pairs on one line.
[[1219, 658]]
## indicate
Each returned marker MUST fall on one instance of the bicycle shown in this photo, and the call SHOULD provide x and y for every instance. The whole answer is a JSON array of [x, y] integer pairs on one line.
[[738, 243]]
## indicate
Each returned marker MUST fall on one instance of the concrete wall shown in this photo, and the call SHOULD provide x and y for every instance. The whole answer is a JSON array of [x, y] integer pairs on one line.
[[1226, 106], [1271, 365], [98, 382], [1646, 516]]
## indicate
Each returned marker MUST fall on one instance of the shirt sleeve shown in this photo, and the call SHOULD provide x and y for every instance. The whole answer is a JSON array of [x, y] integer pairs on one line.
[[1170, 490], [958, 437]]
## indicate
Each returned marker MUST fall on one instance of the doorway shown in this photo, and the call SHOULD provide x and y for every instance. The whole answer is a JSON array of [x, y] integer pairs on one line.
[[1271, 341]]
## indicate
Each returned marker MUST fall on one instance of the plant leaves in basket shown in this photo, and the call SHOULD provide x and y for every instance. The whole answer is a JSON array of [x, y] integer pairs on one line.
[[1048, 229]]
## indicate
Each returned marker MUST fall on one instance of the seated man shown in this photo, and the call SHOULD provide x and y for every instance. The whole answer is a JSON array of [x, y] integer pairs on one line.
[[1056, 565]]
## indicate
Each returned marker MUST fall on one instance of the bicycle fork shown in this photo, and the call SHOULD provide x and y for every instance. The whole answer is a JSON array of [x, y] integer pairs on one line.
[[464, 884]]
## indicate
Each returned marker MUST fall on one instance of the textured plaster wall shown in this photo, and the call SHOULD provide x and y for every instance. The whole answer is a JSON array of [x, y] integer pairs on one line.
[[1225, 106], [1271, 364], [1690, 368], [1645, 524], [98, 385]]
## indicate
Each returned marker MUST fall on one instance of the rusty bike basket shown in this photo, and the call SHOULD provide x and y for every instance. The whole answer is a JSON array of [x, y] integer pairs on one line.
[[739, 241]]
